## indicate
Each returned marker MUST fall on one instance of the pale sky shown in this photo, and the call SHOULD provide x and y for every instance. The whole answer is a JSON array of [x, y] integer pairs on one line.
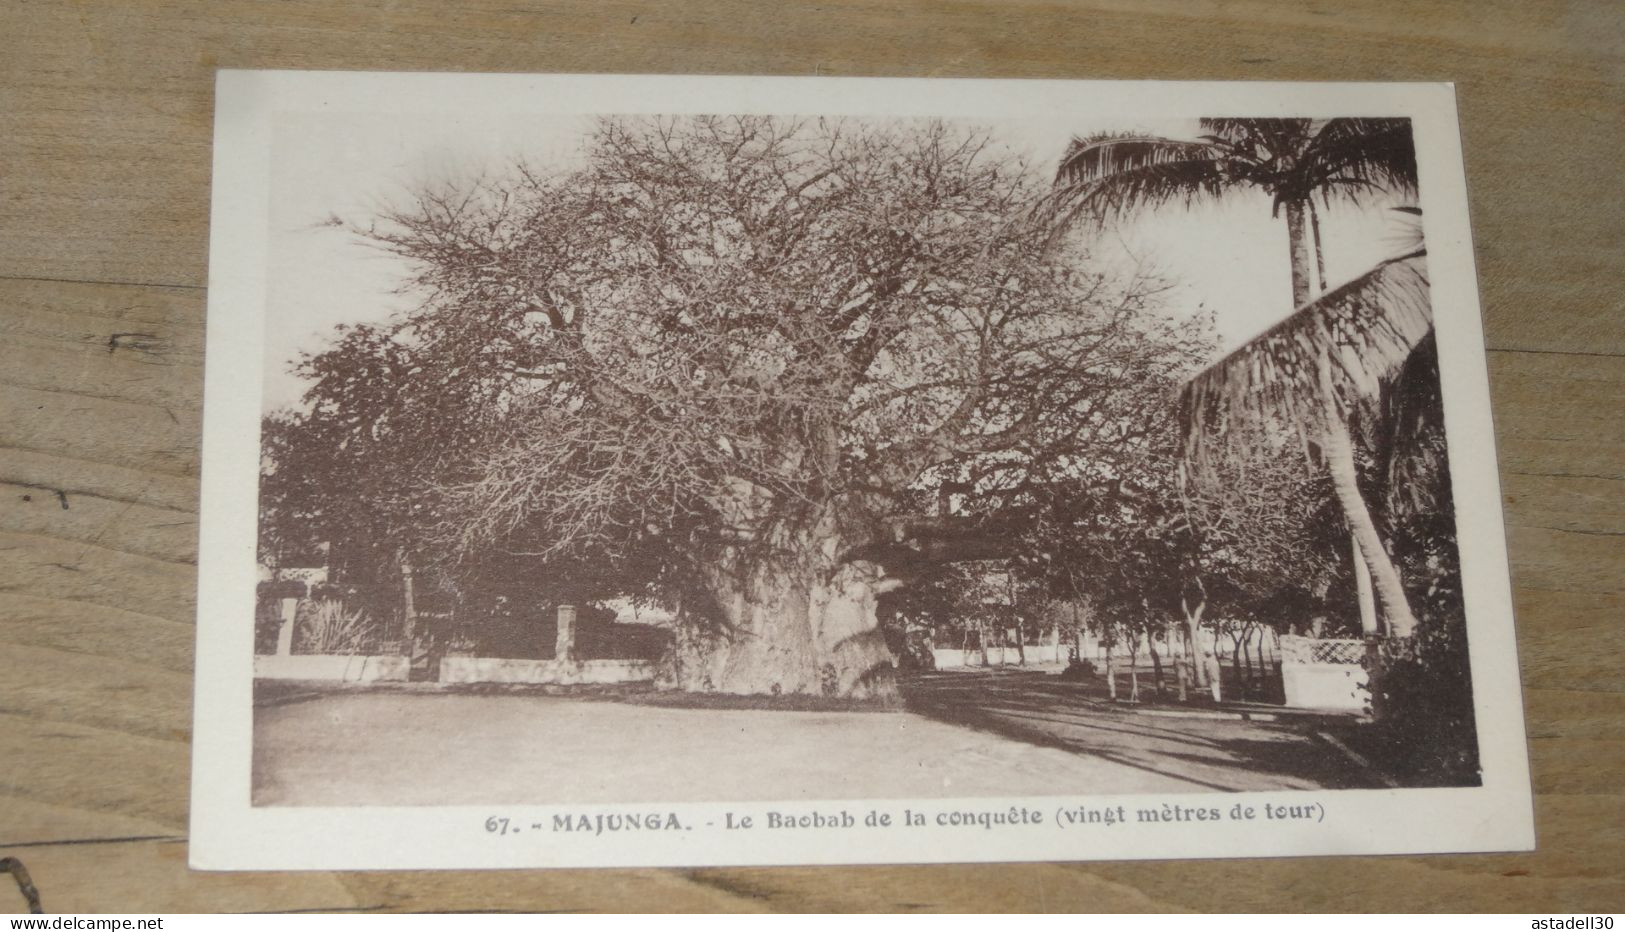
[[1230, 257]]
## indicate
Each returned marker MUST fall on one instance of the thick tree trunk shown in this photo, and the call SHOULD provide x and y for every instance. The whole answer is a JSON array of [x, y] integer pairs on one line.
[[790, 627], [1181, 662], [1193, 632]]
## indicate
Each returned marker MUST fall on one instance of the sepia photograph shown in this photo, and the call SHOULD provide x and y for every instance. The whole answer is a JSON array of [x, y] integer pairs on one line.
[[820, 465]]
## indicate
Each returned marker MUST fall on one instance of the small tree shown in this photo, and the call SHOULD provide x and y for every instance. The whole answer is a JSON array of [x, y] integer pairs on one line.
[[1154, 552]]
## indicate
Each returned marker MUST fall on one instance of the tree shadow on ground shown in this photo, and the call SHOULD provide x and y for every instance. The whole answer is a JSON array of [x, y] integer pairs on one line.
[[1229, 755]]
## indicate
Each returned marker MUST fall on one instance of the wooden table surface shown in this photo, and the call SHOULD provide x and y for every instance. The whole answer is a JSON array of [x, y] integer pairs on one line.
[[105, 120]]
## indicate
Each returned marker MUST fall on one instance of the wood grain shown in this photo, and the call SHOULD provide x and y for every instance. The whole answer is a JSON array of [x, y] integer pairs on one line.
[[104, 190]]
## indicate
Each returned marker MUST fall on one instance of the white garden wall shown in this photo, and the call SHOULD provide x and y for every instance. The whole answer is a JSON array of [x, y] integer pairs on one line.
[[499, 670], [340, 667]]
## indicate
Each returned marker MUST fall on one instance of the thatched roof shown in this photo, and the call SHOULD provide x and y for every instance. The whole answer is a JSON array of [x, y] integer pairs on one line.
[[1367, 328]]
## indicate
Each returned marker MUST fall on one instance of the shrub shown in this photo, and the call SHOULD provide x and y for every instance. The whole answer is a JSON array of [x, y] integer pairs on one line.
[[1078, 669], [267, 625], [331, 628], [1426, 728]]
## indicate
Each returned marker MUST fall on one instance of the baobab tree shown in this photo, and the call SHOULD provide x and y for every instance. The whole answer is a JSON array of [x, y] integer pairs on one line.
[[1309, 372], [726, 359]]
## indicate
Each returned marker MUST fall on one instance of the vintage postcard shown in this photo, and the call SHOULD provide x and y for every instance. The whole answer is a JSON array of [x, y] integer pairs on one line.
[[721, 471]]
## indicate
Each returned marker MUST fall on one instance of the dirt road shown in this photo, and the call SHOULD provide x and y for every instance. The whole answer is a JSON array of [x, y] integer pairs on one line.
[[966, 735]]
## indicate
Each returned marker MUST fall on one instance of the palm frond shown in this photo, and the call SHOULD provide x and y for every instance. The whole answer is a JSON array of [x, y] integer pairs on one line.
[[1274, 141], [1409, 435], [1353, 154], [1366, 329], [1108, 174], [1256, 129]]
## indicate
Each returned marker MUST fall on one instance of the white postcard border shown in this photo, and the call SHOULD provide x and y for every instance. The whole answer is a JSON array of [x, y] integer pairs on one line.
[[228, 833]]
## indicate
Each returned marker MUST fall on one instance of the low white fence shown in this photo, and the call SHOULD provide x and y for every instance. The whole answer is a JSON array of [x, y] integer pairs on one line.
[[1324, 674], [999, 656]]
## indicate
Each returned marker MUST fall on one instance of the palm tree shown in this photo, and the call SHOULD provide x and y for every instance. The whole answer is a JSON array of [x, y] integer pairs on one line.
[[1293, 161], [1310, 370]]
